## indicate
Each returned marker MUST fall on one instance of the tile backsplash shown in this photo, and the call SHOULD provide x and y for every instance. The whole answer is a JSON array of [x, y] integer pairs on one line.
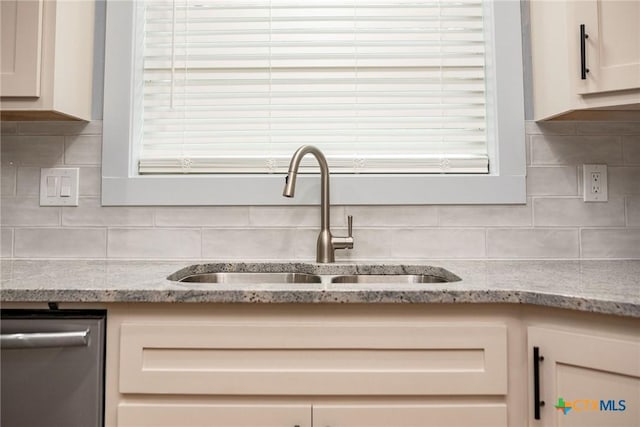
[[555, 223]]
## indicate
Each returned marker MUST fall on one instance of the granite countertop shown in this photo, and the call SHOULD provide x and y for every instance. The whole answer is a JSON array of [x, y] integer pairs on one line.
[[609, 287]]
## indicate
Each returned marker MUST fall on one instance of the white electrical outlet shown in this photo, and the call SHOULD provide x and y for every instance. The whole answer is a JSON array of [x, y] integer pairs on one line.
[[59, 186], [594, 178]]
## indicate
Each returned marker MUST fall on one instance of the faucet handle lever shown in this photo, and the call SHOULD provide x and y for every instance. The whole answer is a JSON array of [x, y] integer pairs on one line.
[[350, 225]]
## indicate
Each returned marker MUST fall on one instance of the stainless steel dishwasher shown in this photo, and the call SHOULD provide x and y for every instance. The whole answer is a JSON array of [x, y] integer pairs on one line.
[[52, 366]]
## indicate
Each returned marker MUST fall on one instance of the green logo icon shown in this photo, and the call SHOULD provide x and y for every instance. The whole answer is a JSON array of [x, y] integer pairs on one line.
[[563, 406]]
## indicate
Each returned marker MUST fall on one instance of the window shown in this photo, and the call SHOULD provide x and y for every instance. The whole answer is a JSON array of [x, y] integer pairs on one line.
[[411, 101], [379, 86]]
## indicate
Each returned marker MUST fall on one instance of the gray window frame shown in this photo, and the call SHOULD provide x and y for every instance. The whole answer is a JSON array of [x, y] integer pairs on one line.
[[505, 184]]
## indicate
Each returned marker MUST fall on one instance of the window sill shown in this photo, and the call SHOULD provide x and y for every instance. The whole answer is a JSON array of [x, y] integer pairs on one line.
[[403, 189]]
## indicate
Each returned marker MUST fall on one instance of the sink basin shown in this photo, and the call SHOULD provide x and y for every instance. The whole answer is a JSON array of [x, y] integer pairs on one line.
[[292, 273], [245, 278], [389, 278]]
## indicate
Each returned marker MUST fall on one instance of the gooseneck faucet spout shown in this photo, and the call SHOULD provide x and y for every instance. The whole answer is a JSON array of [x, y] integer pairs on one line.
[[327, 244]]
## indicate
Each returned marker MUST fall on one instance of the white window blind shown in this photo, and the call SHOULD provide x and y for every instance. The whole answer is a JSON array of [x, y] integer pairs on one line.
[[235, 86]]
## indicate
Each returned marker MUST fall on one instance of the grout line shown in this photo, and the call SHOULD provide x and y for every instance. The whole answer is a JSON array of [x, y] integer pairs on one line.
[[580, 242], [626, 213], [201, 242], [578, 172], [106, 243], [486, 243], [533, 212]]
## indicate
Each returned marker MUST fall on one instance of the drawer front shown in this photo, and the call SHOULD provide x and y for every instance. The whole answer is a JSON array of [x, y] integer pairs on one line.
[[313, 359], [210, 415], [423, 415]]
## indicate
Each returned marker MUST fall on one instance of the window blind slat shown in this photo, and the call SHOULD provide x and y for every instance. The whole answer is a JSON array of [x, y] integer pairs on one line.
[[379, 85]]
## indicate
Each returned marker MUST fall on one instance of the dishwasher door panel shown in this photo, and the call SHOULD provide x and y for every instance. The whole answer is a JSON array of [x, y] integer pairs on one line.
[[52, 370]]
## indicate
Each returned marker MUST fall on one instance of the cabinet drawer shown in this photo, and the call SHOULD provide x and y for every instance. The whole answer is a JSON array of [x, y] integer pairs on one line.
[[197, 415], [396, 415], [313, 359]]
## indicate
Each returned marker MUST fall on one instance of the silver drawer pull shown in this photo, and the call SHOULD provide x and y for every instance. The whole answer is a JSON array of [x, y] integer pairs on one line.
[[45, 339]]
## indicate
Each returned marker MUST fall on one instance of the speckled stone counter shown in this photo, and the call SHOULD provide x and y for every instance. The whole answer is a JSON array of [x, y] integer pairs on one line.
[[609, 287]]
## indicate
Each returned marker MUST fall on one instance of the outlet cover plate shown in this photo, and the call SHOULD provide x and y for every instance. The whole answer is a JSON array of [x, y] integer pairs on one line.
[[594, 178], [54, 182]]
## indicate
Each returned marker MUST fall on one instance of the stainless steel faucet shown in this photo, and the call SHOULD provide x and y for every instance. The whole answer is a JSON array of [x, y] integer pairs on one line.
[[327, 244]]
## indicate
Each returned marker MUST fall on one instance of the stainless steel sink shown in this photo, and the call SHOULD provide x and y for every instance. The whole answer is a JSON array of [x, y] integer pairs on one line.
[[292, 273], [249, 278], [389, 278]]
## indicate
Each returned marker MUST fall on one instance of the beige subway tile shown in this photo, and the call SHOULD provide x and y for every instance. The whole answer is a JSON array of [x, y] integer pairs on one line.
[[90, 212], [611, 243], [633, 211], [393, 216], [8, 128], [631, 149], [28, 181], [52, 127], [368, 244], [28, 212], [608, 128], [304, 242], [60, 128], [90, 181], [486, 215], [60, 242], [293, 216], [250, 244], [550, 128], [201, 216], [575, 150], [624, 180], [575, 212], [438, 243], [533, 243], [154, 243], [552, 181], [8, 184], [93, 127], [6, 242], [45, 151], [83, 150]]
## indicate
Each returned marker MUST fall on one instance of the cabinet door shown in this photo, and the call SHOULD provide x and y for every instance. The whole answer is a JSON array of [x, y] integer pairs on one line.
[[612, 46], [445, 414], [21, 47], [184, 414], [597, 378]]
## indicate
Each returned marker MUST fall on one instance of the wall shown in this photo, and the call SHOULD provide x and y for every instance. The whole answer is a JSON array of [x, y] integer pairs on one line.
[[555, 223]]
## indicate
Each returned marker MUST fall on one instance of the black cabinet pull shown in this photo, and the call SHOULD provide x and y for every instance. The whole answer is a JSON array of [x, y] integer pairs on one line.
[[583, 52], [537, 403]]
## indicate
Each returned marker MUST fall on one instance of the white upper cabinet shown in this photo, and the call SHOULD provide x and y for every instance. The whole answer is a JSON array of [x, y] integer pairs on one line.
[[47, 59], [612, 44], [21, 47], [597, 71]]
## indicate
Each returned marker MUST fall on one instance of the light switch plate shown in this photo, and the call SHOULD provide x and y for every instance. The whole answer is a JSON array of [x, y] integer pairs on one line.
[[59, 186], [594, 178]]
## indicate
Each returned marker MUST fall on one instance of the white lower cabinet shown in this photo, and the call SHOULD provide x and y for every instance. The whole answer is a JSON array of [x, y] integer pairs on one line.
[[392, 369], [440, 365], [596, 378]]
